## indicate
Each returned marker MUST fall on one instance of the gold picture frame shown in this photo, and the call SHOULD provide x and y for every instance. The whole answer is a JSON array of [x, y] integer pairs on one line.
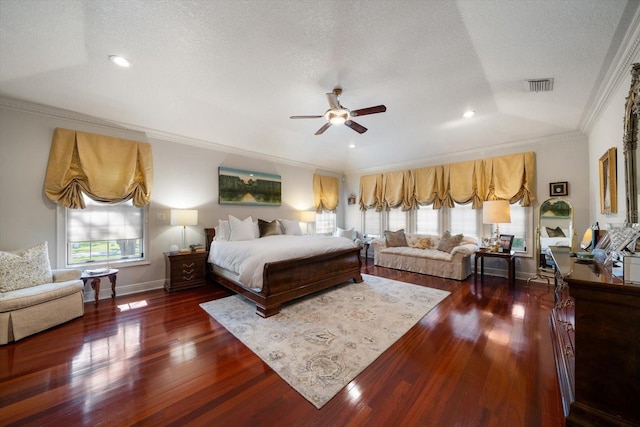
[[608, 182]]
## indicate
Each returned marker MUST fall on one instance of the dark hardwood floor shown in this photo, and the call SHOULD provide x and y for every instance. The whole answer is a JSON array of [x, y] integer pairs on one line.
[[482, 357]]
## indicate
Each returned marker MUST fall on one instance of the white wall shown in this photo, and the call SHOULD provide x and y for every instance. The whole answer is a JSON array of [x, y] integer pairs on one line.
[[185, 176]]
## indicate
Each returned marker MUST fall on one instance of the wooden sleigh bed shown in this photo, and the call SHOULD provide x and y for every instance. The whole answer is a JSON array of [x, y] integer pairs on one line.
[[287, 280]]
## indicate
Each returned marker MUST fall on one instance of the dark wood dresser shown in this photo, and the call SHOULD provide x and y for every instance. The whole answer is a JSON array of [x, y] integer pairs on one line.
[[595, 329], [184, 270]]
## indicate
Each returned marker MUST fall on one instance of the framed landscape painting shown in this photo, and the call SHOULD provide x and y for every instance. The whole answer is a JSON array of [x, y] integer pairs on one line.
[[241, 187]]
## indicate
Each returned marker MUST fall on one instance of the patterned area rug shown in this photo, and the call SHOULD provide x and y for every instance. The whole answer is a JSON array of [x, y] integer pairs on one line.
[[320, 343]]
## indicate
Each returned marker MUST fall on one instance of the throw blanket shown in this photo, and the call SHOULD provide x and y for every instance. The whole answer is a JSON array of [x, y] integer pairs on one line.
[[248, 257]]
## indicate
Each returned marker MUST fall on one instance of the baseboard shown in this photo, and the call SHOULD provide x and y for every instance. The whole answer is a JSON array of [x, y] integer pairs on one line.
[[134, 288]]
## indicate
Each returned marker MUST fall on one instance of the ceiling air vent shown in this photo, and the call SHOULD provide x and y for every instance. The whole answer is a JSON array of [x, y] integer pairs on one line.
[[538, 85]]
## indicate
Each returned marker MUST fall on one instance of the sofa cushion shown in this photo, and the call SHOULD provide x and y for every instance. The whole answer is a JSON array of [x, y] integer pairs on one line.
[[448, 242], [395, 238], [25, 268]]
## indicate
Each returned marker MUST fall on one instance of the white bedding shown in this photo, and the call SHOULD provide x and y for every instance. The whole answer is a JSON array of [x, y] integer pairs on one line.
[[247, 257], [545, 242]]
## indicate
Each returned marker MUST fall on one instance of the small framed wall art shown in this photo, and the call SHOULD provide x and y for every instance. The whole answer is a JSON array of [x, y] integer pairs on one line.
[[559, 189]]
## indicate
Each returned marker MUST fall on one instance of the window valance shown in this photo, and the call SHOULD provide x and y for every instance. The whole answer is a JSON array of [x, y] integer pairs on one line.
[[106, 169], [371, 192], [510, 177], [325, 193], [463, 183]]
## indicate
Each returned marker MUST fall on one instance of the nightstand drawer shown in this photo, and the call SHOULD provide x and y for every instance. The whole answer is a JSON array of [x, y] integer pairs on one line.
[[185, 270]]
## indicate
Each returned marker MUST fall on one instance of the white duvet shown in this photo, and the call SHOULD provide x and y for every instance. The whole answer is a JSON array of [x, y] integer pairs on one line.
[[247, 258]]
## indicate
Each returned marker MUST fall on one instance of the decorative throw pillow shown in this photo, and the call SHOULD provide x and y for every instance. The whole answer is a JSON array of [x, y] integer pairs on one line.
[[25, 268], [269, 228], [448, 242], [241, 229], [424, 243], [395, 238], [555, 232], [291, 227]]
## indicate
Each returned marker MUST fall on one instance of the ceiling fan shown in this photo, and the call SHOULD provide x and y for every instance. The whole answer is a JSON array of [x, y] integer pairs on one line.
[[339, 115]]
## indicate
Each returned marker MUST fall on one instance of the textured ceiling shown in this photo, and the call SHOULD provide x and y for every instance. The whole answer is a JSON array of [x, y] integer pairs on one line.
[[230, 73]]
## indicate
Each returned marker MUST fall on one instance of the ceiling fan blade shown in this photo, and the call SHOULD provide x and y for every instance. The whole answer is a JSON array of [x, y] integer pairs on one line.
[[355, 126], [370, 110], [305, 117], [334, 103], [323, 128]]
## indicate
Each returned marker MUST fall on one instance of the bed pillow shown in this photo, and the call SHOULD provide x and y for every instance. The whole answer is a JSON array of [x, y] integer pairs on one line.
[[241, 229], [349, 234], [448, 242], [269, 228], [291, 227], [25, 268], [395, 239], [555, 232], [223, 232]]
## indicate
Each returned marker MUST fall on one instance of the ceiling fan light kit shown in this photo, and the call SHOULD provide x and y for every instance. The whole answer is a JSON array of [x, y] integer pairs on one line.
[[339, 115]]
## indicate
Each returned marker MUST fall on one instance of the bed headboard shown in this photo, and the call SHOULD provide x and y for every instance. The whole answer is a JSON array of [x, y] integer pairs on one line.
[[209, 233]]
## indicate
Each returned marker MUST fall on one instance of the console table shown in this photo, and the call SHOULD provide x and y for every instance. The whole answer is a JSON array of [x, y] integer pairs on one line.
[[595, 329], [507, 256]]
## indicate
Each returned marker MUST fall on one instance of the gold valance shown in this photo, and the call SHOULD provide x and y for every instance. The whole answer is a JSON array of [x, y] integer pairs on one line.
[[325, 193], [510, 177], [464, 183], [371, 192], [394, 194], [104, 168]]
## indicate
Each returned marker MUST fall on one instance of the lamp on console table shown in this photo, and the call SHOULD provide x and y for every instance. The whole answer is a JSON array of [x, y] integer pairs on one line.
[[496, 212], [184, 217]]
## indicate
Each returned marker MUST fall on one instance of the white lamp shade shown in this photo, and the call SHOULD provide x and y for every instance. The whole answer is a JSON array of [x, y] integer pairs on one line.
[[308, 216], [496, 212], [184, 217]]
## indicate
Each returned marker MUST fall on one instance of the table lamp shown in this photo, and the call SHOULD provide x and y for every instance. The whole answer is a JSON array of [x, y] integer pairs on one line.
[[496, 212], [184, 217], [309, 217]]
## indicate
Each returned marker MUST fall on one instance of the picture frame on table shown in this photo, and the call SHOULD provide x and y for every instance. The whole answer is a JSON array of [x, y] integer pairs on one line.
[[505, 242], [560, 188]]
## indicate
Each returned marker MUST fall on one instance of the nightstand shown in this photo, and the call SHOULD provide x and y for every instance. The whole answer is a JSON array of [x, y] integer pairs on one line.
[[184, 270]]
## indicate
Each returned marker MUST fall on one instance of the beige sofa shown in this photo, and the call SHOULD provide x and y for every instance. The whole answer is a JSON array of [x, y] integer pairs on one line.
[[454, 265], [26, 311], [32, 296]]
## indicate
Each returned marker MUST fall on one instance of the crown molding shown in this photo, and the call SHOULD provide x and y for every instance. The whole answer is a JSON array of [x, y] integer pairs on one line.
[[480, 153], [617, 73], [49, 111]]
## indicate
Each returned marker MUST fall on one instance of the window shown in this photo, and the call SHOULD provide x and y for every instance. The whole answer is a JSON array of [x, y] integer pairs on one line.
[[325, 222], [104, 233], [427, 220], [463, 219], [372, 223], [517, 227], [396, 220]]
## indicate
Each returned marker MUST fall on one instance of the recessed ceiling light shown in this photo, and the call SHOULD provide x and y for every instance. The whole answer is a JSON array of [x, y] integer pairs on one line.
[[120, 61], [469, 114], [352, 145]]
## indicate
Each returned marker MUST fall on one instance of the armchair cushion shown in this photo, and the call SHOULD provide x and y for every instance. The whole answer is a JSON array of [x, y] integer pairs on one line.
[[25, 268]]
